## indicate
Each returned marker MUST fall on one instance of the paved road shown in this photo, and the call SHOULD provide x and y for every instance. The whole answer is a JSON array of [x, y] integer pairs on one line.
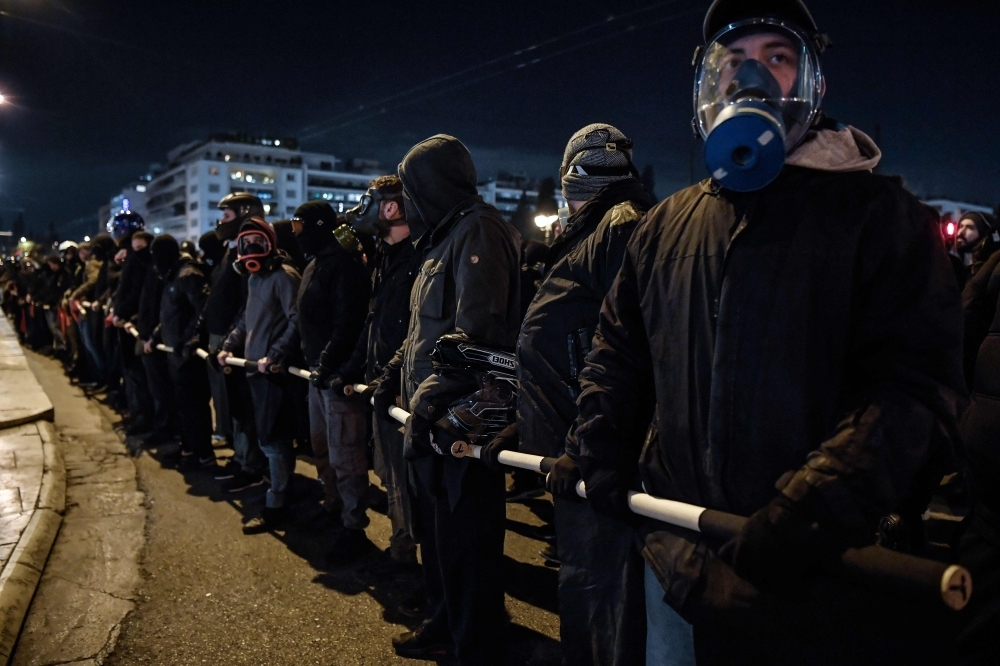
[[211, 595]]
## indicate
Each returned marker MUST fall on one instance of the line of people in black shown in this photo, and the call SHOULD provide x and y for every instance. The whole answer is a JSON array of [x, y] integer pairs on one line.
[[790, 351]]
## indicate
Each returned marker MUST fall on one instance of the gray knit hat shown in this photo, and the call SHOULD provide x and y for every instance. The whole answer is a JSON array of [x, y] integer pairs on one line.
[[595, 156]]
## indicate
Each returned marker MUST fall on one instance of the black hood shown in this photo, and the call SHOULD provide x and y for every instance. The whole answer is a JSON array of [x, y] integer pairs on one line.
[[438, 176], [166, 252]]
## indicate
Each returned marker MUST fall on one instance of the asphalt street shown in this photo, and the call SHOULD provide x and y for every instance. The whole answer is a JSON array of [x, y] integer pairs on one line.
[[209, 594]]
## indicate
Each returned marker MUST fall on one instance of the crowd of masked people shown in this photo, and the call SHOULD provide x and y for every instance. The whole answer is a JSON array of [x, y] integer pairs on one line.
[[787, 347]]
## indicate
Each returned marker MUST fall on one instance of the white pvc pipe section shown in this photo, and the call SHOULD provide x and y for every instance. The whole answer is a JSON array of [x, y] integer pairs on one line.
[[238, 362], [201, 353], [132, 330], [164, 348], [304, 374]]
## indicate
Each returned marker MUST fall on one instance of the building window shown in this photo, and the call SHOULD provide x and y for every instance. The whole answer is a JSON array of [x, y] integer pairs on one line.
[[291, 194], [290, 210], [193, 206], [193, 188], [213, 204], [194, 171], [213, 187], [290, 177], [213, 171], [193, 223]]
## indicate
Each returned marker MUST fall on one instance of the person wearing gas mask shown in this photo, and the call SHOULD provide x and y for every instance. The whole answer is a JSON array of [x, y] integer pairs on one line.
[[793, 324], [185, 291], [467, 284], [230, 391], [332, 302], [600, 589], [396, 262], [266, 333], [976, 240]]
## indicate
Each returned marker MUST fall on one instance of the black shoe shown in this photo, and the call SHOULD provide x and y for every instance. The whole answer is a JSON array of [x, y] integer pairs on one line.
[[546, 533], [551, 556], [192, 463], [267, 520], [349, 545], [426, 642], [241, 481], [231, 469]]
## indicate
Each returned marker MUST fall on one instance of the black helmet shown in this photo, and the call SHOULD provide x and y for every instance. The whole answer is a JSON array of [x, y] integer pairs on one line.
[[479, 417], [124, 224], [245, 205]]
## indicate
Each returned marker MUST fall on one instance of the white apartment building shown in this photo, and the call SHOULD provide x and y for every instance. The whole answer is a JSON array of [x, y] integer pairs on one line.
[[181, 198]]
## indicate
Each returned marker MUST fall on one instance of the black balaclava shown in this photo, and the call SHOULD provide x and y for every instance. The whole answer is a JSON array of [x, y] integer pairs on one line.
[[166, 253], [318, 222], [438, 177], [212, 249]]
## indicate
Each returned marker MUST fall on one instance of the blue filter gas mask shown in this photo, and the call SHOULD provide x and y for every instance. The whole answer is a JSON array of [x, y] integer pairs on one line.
[[758, 89]]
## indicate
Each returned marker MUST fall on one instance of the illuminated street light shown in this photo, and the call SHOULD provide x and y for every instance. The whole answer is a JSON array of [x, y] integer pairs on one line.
[[543, 221], [86, 239], [2, 98], [23, 239]]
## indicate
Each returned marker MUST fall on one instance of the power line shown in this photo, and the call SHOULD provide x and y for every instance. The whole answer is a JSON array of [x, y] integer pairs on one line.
[[521, 65], [308, 131]]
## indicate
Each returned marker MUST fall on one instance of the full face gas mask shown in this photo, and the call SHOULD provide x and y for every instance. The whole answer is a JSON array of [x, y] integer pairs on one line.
[[758, 89], [255, 245], [365, 219]]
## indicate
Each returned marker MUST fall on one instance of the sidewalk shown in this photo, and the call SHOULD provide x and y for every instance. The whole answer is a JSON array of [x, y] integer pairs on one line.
[[32, 487]]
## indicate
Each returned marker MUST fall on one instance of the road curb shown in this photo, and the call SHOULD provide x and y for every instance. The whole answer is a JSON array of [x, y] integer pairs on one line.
[[23, 571]]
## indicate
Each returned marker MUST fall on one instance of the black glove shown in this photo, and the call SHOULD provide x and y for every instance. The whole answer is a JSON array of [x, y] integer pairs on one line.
[[561, 479], [506, 440], [780, 544], [417, 442], [607, 493], [336, 384], [319, 376], [385, 397], [188, 349], [368, 393]]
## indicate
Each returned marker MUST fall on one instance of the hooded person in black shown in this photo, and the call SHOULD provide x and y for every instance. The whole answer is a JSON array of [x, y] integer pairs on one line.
[[601, 610], [212, 252], [155, 363], [332, 302], [126, 306], [185, 291], [468, 284]]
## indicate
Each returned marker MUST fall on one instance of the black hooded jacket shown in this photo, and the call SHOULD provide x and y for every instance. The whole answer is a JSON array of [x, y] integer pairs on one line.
[[809, 332], [333, 301], [133, 278], [557, 330], [148, 316], [468, 281], [388, 313], [227, 297], [185, 293]]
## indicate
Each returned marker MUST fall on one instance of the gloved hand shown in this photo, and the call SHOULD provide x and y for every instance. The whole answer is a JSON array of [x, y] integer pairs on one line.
[[385, 397], [418, 441], [319, 376], [336, 384], [779, 545], [561, 479], [607, 492], [366, 395], [187, 351], [506, 440]]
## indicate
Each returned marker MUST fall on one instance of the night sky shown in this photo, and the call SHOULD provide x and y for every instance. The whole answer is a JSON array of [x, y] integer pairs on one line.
[[102, 89]]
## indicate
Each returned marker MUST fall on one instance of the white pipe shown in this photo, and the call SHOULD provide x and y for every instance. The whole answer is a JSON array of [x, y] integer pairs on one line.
[[238, 362], [304, 374], [164, 348], [131, 330], [399, 414], [201, 353]]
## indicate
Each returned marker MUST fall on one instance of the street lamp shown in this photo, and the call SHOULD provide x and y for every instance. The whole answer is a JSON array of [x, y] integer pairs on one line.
[[545, 222], [2, 98]]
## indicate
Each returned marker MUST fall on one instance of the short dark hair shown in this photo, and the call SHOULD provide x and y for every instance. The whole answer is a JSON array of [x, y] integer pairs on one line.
[[390, 187], [143, 235]]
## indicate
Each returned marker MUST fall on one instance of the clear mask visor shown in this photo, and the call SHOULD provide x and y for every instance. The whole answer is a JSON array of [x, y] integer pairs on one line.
[[790, 80]]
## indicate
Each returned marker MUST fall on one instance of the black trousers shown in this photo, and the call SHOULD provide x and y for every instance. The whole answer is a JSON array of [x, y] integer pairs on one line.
[[140, 402], [462, 550], [193, 412], [161, 388], [602, 598]]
